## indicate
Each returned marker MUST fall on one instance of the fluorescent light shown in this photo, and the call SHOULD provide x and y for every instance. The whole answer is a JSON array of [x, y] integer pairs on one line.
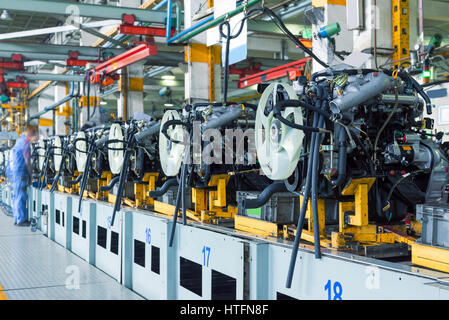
[[33, 63], [103, 103], [169, 105], [169, 83], [168, 77]]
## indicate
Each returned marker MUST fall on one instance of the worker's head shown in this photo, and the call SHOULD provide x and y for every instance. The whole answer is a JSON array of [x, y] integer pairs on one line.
[[30, 132]]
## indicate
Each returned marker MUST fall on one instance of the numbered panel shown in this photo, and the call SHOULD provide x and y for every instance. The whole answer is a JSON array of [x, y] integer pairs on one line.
[[61, 219], [83, 231], [146, 260], [108, 249], [210, 265], [337, 278]]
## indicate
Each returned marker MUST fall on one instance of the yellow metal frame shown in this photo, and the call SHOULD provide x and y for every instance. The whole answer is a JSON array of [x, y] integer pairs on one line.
[[217, 199], [430, 257], [256, 226], [356, 227], [142, 190], [400, 30]]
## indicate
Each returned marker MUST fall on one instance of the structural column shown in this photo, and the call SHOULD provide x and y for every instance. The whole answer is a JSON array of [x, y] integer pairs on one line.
[[203, 76], [131, 91]]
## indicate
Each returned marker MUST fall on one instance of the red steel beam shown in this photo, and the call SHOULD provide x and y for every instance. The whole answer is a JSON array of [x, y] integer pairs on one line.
[[145, 31], [16, 84], [71, 62], [273, 74], [131, 56], [12, 65]]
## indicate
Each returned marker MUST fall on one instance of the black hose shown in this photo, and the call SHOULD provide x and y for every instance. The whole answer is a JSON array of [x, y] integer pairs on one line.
[[281, 105], [264, 196], [163, 190], [55, 180], [296, 126], [43, 176], [228, 38], [305, 201], [175, 215], [111, 184], [342, 156], [315, 173], [183, 195], [174, 123], [85, 175], [407, 78], [72, 182], [122, 179]]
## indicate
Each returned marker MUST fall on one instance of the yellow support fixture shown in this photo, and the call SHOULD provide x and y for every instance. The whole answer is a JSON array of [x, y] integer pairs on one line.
[[169, 210], [290, 231], [309, 215], [199, 198], [430, 257], [359, 189], [217, 199], [141, 190], [256, 226], [400, 30], [355, 226]]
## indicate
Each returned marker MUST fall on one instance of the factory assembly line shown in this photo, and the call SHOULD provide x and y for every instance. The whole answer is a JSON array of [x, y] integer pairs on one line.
[[321, 178]]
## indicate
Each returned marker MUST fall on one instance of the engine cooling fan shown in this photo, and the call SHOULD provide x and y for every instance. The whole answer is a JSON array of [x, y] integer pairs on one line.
[[171, 153], [116, 153], [81, 151], [278, 146]]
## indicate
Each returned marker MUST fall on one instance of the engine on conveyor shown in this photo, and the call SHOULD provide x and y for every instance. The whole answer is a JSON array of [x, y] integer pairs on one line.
[[352, 124]]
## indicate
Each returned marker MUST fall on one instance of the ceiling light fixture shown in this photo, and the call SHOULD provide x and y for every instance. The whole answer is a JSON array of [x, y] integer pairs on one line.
[[5, 16], [168, 77]]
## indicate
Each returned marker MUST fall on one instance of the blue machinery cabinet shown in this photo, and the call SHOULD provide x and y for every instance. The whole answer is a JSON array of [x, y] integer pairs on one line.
[[207, 262]]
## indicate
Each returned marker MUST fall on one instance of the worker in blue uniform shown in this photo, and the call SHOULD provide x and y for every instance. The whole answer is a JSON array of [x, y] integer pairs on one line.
[[21, 175]]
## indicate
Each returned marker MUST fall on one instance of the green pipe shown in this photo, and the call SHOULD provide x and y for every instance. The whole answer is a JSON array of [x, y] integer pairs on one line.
[[219, 20]]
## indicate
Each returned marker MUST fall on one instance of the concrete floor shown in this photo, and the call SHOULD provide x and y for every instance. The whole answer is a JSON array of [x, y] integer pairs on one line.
[[32, 267]]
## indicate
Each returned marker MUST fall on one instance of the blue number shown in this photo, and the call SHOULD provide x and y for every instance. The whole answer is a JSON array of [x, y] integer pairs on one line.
[[148, 235], [337, 295], [206, 250], [338, 290], [328, 288], [109, 222]]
